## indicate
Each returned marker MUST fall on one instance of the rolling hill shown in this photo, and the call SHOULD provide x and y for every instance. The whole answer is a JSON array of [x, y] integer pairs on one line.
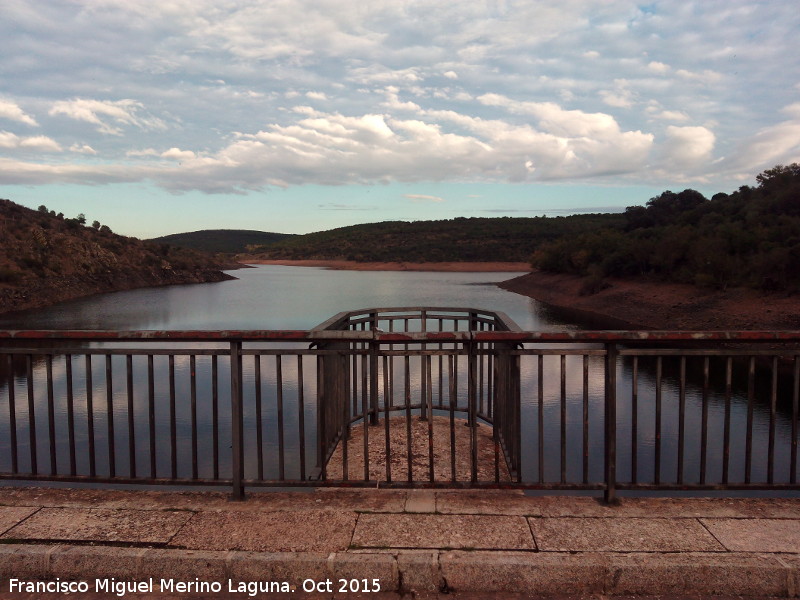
[[229, 241]]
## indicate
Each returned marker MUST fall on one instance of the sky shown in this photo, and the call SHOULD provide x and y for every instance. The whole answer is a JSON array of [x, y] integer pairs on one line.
[[164, 116]]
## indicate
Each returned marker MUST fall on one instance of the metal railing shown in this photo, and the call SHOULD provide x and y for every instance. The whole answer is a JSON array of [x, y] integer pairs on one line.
[[479, 407]]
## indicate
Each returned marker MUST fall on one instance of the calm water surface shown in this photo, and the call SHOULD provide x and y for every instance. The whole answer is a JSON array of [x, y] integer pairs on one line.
[[278, 297]]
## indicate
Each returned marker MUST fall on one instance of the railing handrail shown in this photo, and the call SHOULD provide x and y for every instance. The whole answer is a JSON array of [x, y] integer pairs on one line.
[[597, 336]]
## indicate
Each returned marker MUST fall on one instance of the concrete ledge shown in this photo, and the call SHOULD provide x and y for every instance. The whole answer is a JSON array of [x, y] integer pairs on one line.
[[537, 573]]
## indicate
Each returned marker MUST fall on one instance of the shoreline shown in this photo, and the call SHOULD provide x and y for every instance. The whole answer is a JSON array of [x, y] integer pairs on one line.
[[657, 305], [351, 265]]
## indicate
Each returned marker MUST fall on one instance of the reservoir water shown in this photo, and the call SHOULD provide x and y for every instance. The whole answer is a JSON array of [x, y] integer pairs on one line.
[[278, 297]]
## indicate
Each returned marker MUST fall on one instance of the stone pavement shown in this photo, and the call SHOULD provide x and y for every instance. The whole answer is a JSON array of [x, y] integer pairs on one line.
[[413, 543]]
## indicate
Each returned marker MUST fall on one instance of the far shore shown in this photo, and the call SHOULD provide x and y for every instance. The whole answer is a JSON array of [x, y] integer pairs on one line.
[[351, 265], [641, 304]]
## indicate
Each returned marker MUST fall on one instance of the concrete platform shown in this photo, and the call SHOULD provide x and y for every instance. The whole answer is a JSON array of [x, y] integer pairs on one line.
[[414, 543]]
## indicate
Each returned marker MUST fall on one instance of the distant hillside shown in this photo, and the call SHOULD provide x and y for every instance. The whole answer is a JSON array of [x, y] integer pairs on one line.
[[749, 238], [507, 239], [230, 241], [46, 258]]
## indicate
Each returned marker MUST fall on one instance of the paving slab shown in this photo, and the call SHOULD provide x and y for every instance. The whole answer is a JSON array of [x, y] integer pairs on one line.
[[421, 501], [296, 531], [538, 573], [578, 534], [12, 515], [703, 574], [100, 525], [363, 500], [756, 535], [487, 502], [442, 531]]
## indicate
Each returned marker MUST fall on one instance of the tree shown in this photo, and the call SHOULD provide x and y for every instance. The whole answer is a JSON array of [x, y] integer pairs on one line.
[[96, 224], [81, 218]]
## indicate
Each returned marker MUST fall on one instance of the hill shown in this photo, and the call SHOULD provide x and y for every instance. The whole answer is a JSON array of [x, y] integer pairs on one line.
[[503, 239], [46, 258], [229, 241], [749, 238]]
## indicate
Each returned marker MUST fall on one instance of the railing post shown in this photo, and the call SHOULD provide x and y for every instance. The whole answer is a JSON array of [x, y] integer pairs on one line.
[[237, 441], [373, 383], [610, 494]]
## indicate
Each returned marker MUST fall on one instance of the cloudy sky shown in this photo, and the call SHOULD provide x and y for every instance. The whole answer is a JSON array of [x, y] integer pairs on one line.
[[292, 115]]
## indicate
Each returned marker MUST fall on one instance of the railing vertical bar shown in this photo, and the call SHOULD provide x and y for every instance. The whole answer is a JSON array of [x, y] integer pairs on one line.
[[90, 416], [193, 402], [440, 376], [259, 421], [365, 410], [237, 442], [563, 424], [611, 423], [751, 385], [301, 418], [540, 423], [386, 404], [12, 415], [480, 376], [112, 458], [704, 425], [345, 416], [51, 414], [73, 467], [215, 413], [354, 380], [451, 384], [681, 418], [428, 383], [374, 375], [173, 424], [131, 415], [795, 402], [472, 398], [490, 384], [407, 365], [659, 381], [323, 419], [31, 415], [281, 432], [151, 414], [635, 420], [585, 418], [773, 402], [726, 440]]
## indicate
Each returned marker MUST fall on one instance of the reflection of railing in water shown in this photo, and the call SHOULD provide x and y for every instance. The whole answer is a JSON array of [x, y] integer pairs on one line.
[[156, 407]]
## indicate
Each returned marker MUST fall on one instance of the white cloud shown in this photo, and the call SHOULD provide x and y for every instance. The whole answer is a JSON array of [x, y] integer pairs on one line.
[[142, 153], [178, 154], [316, 95], [10, 110], [658, 67], [99, 113], [423, 198], [688, 146], [82, 149], [39, 143], [450, 74]]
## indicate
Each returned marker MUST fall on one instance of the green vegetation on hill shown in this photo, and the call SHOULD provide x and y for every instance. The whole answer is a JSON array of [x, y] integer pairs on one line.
[[229, 241], [46, 257], [455, 240], [748, 238]]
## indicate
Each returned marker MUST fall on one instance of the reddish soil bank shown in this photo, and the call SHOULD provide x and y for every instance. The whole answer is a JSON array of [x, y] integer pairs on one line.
[[653, 305], [351, 265]]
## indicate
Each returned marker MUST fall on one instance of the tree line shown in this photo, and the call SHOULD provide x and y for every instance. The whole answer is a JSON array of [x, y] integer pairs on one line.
[[749, 238]]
